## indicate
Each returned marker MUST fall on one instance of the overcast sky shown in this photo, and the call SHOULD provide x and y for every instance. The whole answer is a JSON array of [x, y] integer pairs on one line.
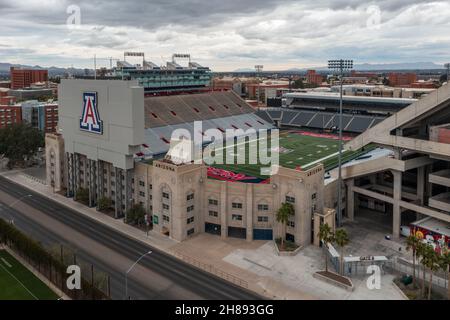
[[225, 34]]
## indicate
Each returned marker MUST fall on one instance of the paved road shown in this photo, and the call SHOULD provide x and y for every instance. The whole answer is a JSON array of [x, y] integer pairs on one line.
[[158, 276]]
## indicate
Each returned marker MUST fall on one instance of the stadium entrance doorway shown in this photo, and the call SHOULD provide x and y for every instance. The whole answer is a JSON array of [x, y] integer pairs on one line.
[[234, 232], [262, 234], [213, 228]]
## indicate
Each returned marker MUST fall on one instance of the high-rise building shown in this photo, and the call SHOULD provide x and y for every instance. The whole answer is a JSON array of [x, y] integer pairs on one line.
[[401, 79], [314, 78], [23, 78]]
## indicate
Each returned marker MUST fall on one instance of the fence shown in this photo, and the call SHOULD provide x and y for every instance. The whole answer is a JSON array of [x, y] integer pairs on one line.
[[440, 278], [54, 269], [211, 269]]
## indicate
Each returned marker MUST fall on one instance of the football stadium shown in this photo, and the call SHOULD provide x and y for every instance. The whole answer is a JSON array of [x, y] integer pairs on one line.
[[115, 143]]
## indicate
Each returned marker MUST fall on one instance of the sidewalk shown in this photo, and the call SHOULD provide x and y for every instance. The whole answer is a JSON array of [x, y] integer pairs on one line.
[[196, 248]]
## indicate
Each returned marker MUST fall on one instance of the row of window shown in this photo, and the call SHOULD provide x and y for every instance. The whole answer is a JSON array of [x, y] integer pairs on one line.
[[261, 207]]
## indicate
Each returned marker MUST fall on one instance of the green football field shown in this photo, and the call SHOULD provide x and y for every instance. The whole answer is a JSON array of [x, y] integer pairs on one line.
[[295, 150], [18, 283]]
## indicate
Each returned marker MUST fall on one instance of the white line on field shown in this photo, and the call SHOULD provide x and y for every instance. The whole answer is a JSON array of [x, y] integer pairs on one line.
[[7, 263], [19, 282], [325, 158]]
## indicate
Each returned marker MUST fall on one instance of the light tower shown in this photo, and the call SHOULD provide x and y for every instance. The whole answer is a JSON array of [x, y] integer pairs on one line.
[[340, 66]]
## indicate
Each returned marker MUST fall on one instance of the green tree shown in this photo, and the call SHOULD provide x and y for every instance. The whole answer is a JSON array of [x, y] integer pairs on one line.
[[326, 235], [19, 142], [421, 256], [82, 195], [412, 242], [298, 84], [445, 265], [431, 260], [341, 238], [286, 210], [104, 203], [135, 214]]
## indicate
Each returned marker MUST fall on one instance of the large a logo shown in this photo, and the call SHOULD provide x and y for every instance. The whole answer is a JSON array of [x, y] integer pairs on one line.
[[90, 119]]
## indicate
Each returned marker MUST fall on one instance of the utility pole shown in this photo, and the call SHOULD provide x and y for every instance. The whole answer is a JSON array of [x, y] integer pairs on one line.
[[340, 66]]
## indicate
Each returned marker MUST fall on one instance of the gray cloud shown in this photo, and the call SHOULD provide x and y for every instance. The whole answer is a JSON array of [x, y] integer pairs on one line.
[[220, 32]]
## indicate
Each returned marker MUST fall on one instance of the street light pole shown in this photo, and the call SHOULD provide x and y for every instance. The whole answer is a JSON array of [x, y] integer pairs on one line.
[[341, 66], [131, 268]]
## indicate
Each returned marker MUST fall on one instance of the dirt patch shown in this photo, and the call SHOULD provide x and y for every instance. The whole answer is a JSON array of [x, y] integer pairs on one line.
[[335, 277]]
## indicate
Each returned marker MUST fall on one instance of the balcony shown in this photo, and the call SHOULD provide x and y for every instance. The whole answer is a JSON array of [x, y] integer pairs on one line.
[[440, 201], [440, 177]]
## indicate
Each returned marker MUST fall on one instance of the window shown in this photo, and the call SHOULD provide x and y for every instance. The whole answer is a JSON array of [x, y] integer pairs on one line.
[[166, 218], [190, 197], [291, 224], [213, 213], [190, 220], [213, 202], [142, 183], [151, 187], [290, 199], [190, 208], [314, 196], [263, 219], [263, 207], [236, 217], [165, 195], [236, 205], [190, 231], [142, 193], [166, 206]]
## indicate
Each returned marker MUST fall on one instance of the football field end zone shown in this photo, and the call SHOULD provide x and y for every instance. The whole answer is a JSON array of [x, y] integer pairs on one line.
[[34, 272]]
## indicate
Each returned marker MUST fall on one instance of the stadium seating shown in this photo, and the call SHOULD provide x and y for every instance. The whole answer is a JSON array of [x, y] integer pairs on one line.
[[320, 120], [215, 110], [169, 110]]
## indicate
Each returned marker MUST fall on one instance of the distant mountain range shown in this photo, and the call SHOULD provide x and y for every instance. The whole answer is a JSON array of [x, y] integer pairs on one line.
[[52, 71], [370, 67]]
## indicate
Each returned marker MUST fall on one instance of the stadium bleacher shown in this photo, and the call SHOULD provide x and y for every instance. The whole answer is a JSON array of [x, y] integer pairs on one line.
[[216, 110], [320, 120]]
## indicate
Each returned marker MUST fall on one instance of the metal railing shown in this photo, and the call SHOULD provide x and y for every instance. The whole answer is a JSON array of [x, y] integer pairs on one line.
[[211, 269], [405, 267]]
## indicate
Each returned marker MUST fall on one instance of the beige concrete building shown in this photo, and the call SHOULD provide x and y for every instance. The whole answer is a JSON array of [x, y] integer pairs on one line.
[[105, 125], [414, 182]]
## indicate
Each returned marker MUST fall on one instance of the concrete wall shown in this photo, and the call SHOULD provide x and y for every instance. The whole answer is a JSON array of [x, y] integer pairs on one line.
[[120, 107]]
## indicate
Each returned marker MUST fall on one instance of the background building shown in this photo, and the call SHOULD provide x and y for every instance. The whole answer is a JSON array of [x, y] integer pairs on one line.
[[23, 78], [401, 79]]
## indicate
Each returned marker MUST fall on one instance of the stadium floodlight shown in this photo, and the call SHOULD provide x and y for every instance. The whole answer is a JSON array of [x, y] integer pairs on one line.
[[341, 66]]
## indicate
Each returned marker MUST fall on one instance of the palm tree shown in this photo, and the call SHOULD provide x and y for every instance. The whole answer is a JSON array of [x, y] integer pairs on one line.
[[421, 255], [432, 262], [445, 265], [326, 235], [411, 244], [341, 238], [286, 210]]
